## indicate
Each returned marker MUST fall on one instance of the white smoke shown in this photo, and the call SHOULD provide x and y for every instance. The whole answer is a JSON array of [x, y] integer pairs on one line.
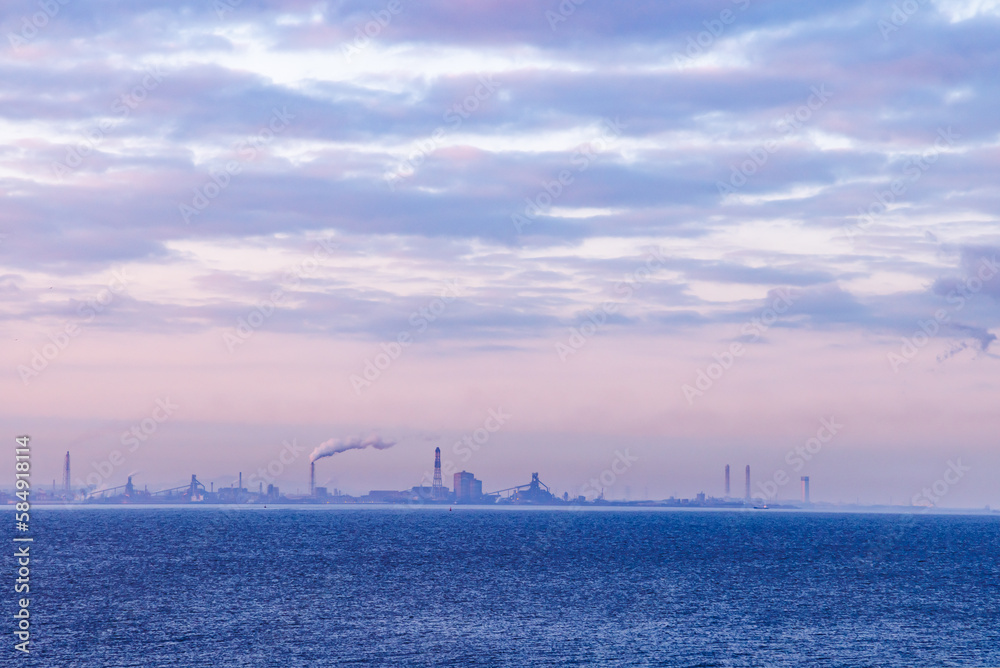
[[336, 445]]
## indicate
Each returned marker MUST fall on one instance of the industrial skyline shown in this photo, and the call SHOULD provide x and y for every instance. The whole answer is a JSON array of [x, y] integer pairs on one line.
[[664, 470], [466, 489]]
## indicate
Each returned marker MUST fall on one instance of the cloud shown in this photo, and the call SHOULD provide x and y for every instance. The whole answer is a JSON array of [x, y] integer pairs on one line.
[[685, 130]]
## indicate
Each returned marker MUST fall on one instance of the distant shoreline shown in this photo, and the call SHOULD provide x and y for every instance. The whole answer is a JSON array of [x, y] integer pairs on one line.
[[815, 510]]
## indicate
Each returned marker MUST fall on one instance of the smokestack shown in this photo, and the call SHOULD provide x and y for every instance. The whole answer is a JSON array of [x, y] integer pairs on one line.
[[727, 481], [748, 483], [437, 491], [241, 481], [66, 474], [805, 489], [335, 446]]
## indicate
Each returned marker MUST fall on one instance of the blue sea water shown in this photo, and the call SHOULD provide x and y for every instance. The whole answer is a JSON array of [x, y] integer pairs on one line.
[[300, 586]]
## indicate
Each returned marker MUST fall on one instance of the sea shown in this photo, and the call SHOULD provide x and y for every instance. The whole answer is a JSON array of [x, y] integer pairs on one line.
[[428, 586]]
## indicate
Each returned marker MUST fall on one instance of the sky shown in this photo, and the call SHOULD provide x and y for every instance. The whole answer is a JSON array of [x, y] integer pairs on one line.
[[619, 244]]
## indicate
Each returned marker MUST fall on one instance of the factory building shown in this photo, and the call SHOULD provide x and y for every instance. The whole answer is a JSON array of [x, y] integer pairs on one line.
[[534, 492], [421, 493], [467, 488]]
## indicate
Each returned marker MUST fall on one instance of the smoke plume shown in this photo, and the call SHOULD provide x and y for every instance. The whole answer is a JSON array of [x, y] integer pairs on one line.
[[336, 445]]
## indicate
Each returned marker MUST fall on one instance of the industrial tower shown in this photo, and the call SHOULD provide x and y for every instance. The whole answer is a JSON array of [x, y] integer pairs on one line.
[[66, 474], [437, 491], [748, 484], [727, 481], [805, 488]]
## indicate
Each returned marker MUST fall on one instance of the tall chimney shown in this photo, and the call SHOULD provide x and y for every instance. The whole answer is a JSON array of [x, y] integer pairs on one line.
[[66, 474], [748, 483], [727, 481], [805, 489], [312, 478]]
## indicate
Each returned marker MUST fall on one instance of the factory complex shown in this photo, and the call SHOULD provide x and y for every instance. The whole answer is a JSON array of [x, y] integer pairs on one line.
[[466, 489]]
